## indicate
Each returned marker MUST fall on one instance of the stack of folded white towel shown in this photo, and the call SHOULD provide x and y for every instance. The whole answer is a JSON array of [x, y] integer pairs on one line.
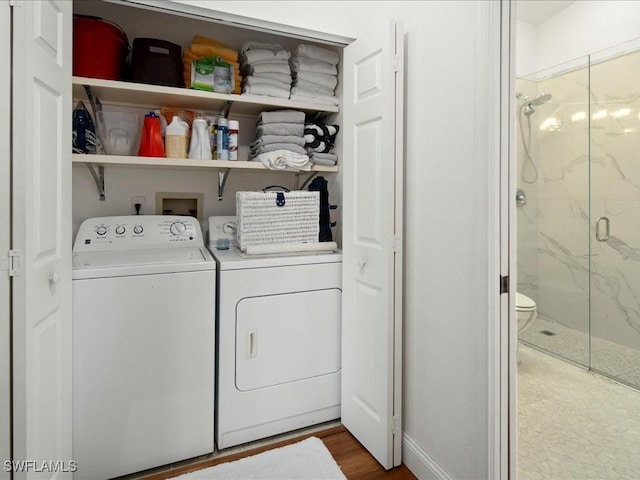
[[280, 143], [265, 69], [315, 75]]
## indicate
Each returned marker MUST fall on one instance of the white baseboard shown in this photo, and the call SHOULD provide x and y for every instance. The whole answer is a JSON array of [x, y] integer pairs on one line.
[[420, 462]]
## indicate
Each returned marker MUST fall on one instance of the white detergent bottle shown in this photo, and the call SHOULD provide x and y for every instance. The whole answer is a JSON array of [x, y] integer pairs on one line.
[[176, 139], [200, 148]]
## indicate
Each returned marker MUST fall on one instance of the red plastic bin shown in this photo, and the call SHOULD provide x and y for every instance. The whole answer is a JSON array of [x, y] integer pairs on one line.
[[100, 48]]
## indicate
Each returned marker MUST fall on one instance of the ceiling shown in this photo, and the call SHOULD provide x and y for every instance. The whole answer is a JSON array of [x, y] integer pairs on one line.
[[535, 12]]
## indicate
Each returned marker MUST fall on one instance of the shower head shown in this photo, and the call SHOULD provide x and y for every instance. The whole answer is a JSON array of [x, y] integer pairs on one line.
[[540, 99], [527, 104]]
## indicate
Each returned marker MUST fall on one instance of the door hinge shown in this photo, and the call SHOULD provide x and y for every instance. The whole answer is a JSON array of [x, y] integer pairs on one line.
[[504, 284], [396, 242], [395, 425], [396, 63], [11, 263]]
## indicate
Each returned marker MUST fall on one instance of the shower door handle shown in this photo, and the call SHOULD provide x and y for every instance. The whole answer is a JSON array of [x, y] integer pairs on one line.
[[599, 236]]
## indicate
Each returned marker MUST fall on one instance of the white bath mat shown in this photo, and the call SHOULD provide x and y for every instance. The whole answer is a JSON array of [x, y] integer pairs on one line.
[[305, 460]]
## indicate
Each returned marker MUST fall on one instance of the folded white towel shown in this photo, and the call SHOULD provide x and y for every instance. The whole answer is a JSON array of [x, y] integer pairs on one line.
[[329, 157], [281, 116], [329, 81], [282, 77], [283, 159], [263, 54], [268, 90], [291, 147], [310, 86], [299, 64], [269, 139], [262, 67], [296, 129], [318, 53], [253, 80], [311, 92], [323, 162], [252, 45], [322, 100]]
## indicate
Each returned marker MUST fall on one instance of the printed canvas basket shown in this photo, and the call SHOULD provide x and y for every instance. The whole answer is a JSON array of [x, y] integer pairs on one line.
[[277, 217]]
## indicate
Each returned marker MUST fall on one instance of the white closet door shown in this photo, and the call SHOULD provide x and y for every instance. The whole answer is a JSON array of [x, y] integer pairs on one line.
[[41, 159], [372, 226], [5, 219]]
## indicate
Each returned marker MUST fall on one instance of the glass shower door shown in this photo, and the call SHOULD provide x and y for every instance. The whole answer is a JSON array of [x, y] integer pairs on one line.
[[615, 216], [553, 210]]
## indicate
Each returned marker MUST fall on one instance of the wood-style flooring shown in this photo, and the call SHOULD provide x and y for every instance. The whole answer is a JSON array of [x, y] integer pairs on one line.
[[356, 463]]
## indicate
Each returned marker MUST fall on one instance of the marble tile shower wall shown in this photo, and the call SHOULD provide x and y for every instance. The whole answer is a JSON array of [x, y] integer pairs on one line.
[[555, 272]]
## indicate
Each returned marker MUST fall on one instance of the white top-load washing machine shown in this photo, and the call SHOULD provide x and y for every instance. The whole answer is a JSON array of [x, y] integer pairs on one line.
[[143, 344], [279, 339]]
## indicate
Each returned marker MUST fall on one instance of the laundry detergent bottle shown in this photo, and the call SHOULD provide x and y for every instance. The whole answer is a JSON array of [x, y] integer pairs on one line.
[[200, 148], [151, 144], [176, 138]]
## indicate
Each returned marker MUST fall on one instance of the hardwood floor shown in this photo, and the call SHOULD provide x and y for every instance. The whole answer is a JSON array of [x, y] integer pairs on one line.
[[356, 463]]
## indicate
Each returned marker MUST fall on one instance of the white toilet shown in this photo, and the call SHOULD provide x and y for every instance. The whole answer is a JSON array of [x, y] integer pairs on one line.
[[526, 311]]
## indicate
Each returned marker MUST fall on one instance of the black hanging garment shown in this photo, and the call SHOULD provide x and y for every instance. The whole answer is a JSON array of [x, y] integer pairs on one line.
[[319, 184]]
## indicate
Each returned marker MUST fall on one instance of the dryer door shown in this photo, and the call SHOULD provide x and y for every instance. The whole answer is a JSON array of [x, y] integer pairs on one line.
[[288, 337]]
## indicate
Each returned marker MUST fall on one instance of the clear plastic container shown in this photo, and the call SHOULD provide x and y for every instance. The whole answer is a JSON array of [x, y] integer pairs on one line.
[[119, 132]]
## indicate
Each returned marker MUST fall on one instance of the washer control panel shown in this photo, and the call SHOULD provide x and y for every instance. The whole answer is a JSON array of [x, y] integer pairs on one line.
[[138, 231]]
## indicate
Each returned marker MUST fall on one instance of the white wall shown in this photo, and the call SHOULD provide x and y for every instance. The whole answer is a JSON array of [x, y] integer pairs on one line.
[[584, 27], [526, 48], [447, 218]]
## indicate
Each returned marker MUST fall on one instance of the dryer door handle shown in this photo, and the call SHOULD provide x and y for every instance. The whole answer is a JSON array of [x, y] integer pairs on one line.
[[252, 344]]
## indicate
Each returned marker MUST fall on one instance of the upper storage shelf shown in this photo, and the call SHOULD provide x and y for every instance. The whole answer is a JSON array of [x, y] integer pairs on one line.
[[143, 95]]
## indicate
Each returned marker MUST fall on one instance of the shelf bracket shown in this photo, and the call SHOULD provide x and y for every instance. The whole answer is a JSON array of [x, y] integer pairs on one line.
[[227, 108], [98, 177], [223, 174], [306, 182]]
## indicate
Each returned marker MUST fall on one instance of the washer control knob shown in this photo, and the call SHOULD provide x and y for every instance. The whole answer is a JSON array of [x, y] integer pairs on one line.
[[120, 229], [138, 229], [177, 228], [101, 230]]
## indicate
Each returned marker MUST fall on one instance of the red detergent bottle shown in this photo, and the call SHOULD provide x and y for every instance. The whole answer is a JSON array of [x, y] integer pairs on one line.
[[151, 144]]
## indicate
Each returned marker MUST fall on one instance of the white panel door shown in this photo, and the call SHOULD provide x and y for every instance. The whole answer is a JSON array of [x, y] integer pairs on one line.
[[41, 159], [5, 219], [372, 225]]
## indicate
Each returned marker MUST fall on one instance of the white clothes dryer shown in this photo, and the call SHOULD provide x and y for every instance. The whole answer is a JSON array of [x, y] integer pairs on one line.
[[143, 344], [279, 340]]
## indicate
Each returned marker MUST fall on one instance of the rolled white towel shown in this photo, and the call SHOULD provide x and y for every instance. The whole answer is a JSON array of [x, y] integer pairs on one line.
[[329, 81], [318, 53], [300, 64], [283, 159]]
